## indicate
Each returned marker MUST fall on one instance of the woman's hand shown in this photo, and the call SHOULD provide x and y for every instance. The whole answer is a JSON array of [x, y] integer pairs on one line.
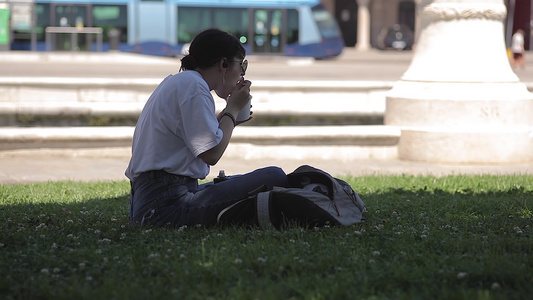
[[239, 96], [219, 116]]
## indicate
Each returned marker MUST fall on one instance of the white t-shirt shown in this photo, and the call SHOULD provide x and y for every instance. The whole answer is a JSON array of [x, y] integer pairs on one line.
[[177, 124]]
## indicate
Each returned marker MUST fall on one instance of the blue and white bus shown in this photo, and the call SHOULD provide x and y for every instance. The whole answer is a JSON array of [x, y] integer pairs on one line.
[[163, 27]]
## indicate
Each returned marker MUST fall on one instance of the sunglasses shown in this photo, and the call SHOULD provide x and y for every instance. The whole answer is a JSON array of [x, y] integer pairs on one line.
[[244, 65]]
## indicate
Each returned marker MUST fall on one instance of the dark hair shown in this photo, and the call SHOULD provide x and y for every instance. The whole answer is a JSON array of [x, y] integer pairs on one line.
[[209, 46]]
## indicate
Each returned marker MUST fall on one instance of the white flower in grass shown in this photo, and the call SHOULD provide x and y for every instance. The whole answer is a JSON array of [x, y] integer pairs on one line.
[[261, 260], [45, 271], [42, 225], [357, 232], [70, 221], [237, 261], [376, 253], [518, 230], [462, 275], [495, 286]]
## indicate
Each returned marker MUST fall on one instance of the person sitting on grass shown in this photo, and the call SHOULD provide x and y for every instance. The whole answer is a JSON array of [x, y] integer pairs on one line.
[[178, 136]]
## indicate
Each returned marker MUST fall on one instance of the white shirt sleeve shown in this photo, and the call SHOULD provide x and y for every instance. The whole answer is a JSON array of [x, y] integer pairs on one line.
[[199, 125]]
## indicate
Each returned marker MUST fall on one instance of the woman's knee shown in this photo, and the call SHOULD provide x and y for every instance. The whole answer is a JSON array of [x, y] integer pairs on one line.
[[274, 176]]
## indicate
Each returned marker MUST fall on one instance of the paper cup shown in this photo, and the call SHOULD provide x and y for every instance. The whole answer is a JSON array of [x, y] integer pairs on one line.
[[244, 114]]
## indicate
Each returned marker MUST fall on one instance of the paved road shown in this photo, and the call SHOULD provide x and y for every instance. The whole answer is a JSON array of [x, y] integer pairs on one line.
[[24, 166], [351, 65]]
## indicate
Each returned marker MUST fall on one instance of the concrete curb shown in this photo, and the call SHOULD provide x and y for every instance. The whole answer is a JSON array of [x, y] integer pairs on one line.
[[259, 143], [323, 135], [309, 138]]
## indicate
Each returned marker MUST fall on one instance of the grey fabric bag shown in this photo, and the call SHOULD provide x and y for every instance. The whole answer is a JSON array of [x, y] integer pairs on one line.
[[314, 199]]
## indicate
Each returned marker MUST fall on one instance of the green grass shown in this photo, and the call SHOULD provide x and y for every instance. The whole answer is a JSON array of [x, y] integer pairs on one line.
[[457, 237]]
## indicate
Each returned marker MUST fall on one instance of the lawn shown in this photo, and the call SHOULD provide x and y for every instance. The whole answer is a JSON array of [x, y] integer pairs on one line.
[[454, 237]]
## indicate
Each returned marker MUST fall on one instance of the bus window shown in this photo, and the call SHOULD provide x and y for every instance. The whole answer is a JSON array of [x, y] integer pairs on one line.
[[275, 31], [232, 20], [42, 10], [260, 30], [326, 24], [192, 20], [110, 17], [70, 15], [292, 26], [267, 31]]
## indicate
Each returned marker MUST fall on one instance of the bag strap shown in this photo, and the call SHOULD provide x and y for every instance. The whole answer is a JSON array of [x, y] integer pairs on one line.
[[263, 210]]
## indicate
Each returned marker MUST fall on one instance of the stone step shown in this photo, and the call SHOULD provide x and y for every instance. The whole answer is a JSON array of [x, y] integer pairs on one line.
[[299, 111], [250, 142], [35, 101], [114, 102]]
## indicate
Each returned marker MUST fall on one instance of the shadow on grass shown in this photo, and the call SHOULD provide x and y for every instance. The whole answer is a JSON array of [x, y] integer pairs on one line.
[[66, 240]]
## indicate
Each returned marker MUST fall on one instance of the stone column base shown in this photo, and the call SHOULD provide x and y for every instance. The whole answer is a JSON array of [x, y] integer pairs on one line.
[[487, 145], [462, 122]]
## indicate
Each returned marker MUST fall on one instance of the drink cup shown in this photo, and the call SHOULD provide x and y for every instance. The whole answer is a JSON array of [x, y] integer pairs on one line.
[[244, 114]]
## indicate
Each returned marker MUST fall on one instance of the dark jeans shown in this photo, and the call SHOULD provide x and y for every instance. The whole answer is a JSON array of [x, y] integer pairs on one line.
[[163, 199]]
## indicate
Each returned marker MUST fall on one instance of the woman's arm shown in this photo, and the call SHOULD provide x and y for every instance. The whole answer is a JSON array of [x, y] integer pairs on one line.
[[213, 155], [239, 97]]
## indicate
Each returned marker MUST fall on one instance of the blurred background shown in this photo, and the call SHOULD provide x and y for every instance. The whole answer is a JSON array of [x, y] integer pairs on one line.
[[302, 28]]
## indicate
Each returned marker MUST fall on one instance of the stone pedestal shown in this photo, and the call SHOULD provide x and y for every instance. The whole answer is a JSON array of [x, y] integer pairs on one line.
[[459, 101]]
